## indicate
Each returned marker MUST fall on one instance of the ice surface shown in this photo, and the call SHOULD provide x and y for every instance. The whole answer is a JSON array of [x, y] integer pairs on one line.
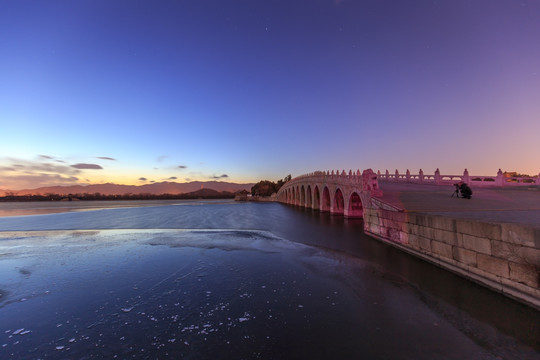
[[220, 290]]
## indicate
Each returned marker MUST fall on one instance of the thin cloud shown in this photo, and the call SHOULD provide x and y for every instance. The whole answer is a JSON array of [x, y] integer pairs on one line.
[[142, 179], [219, 177], [182, 166], [161, 158], [87, 166], [37, 167], [52, 168], [106, 158], [33, 181], [172, 178], [30, 174]]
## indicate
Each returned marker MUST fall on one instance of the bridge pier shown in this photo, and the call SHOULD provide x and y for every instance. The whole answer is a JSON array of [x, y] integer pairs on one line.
[[353, 214], [336, 211]]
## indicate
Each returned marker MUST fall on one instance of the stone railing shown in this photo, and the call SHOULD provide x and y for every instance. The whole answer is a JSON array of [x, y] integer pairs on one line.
[[362, 183], [438, 179], [350, 177]]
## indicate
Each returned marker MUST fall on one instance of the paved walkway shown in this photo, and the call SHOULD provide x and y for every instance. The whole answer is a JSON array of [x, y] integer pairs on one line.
[[500, 205]]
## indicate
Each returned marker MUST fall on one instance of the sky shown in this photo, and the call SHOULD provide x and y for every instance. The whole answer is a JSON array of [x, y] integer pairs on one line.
[[133, 92]]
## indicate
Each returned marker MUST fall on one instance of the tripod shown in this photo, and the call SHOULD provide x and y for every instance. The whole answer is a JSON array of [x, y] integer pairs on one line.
[[456, 192]]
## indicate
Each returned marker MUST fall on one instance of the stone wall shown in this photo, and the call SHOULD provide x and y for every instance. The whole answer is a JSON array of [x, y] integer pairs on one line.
[[503, 257]]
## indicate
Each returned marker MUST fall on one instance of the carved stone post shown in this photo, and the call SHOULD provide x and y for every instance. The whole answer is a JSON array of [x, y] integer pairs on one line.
[[397, 175], [408, 175], [438, 178], [421, 175], [370, 183], [466, 178], [499, 181]]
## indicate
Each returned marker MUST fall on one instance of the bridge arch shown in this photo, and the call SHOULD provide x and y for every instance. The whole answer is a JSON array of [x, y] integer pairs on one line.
[[309, 197], [316, 198], [355, 208], [291, 196], [326, 203], [302, 196], [338, 205]]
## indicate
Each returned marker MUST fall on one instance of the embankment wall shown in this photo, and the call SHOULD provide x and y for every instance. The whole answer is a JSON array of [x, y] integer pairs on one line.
[[503, 257]]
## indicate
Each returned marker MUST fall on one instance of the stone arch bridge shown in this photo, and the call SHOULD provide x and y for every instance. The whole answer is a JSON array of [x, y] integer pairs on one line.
[[334, 192], [432, 237]]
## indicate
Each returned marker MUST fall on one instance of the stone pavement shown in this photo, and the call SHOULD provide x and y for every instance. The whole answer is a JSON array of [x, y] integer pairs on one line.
[[519, 205]]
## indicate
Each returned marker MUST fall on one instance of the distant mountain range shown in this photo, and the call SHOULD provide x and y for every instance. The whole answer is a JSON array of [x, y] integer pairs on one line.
[[114, 189]]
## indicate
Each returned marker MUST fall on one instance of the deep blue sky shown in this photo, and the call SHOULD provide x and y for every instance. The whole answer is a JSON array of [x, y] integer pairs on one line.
[[244, 90]]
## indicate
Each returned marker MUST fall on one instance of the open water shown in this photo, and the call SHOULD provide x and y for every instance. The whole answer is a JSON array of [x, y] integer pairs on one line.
[[225, 280]]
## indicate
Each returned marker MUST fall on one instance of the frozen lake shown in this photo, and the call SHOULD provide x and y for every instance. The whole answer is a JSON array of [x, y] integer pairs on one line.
[[220, 279]]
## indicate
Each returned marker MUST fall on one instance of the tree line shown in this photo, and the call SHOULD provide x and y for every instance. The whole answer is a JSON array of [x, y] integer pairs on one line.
[[267, 187], [199, 194]]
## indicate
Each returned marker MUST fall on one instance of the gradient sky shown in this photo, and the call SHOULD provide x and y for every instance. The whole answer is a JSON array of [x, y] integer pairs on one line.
[[138, 91]]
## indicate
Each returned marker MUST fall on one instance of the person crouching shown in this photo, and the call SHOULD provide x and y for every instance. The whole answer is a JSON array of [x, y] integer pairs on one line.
[[466, 191]]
